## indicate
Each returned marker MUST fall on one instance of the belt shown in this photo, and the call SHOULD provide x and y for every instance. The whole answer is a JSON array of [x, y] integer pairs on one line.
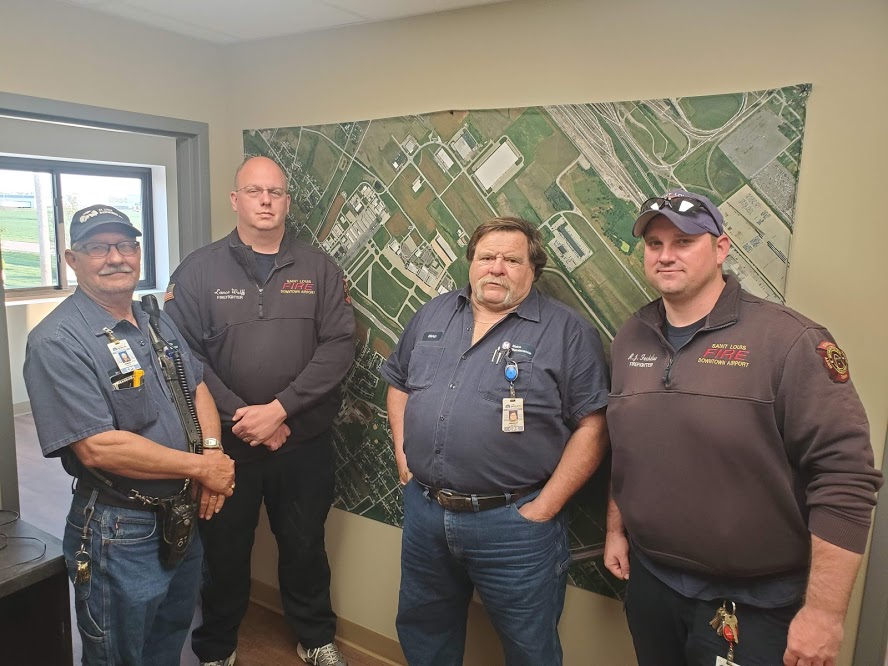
[[109, 497], [462, 503]]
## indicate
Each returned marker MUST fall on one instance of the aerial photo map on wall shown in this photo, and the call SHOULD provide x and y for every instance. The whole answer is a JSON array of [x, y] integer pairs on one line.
[[394, 202]]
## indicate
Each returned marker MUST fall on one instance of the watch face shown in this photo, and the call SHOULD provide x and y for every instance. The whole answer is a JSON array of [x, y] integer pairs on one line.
[[211, 443]]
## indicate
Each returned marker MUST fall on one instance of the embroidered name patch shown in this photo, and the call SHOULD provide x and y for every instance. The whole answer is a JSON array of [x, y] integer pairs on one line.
[[835, 360], [230, 294], [642, 360]]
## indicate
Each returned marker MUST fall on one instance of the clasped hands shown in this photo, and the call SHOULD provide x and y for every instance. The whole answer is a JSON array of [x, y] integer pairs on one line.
[[262, 424]]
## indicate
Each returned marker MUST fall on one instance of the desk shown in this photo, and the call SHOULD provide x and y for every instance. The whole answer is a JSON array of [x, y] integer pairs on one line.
[[35, 616]]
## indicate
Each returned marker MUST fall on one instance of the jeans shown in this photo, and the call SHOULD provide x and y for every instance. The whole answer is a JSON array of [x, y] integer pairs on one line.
[[669, 629], [132, 611], [519, 568], [297, 488]]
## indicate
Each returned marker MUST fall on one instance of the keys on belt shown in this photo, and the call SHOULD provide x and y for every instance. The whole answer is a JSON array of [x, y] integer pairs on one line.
[[462, 503]]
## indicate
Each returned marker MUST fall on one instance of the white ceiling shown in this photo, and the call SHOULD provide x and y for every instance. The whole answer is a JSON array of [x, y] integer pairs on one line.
[[231, 21]]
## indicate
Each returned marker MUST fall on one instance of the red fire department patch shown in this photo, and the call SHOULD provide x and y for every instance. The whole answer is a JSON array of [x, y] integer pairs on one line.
[[298, 287], [348, 298], [835, 361]]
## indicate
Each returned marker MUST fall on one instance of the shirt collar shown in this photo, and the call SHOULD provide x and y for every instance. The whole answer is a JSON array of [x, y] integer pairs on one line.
[[724, 312], [98, 318], [284, 254]]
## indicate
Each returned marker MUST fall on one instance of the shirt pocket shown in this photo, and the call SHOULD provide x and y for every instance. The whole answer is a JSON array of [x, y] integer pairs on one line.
[[424, 362], [494, 386], [132, 408]]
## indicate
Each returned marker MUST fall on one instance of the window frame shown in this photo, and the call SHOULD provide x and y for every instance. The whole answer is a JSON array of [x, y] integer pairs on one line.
[[56, 168]]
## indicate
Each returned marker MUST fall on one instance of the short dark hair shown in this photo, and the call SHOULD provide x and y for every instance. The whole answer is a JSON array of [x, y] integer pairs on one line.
[[535, 247]]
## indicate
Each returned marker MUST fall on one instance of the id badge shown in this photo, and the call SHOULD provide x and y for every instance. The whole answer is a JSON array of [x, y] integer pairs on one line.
[[123, 356], [513, 414], [721, 661]]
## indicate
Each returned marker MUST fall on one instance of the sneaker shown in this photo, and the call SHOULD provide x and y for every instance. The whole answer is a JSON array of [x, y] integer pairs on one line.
[[221, 662], [326, 655]]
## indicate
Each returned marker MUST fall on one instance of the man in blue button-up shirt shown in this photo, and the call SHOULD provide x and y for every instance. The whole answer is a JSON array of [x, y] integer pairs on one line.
[[100, 403], [496, 403]]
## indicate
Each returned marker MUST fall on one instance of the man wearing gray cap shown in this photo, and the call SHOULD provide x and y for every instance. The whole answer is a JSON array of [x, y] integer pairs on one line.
[[743, 477], [102, 405]]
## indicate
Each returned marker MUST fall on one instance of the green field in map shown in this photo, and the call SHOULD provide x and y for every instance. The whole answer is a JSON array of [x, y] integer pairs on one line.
[[387, 292], [615, 215], [554, 284], [414, 204], [404, 280], [466, 204], [650, 137], [381, 237], [710, 172], [321, 157], [432, 170], [528, 132], [655, 184], [710, 112], [446, 224], [493, 124], [459, 271], [510, 200], [406, 315], [362, 283]]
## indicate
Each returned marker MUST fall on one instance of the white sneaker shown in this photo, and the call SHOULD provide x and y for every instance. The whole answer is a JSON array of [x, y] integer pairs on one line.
[[326, 655], [222, 662]]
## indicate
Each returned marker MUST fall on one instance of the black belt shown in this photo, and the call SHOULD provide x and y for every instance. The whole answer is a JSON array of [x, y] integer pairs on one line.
[[110, 497], [462, 503]]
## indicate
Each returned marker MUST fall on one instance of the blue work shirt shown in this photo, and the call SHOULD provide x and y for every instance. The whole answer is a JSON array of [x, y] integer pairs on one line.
[[453, 435], [68, 370]]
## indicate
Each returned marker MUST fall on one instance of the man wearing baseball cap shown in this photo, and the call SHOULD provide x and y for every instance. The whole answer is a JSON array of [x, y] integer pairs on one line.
[[743, 478], [102, 406]]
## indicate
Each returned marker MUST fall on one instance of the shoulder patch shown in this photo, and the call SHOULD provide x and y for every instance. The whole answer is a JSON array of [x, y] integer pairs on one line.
[[348, 298], [835, 360], [168, 296]]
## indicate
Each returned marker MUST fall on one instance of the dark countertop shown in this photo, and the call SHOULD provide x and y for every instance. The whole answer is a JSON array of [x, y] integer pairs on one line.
[[15, 576]]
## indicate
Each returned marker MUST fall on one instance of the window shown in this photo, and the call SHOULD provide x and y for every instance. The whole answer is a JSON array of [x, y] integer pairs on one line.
[[38, 199]]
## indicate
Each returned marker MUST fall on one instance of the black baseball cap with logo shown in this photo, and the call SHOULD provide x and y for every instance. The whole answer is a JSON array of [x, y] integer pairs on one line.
[[87, 220]]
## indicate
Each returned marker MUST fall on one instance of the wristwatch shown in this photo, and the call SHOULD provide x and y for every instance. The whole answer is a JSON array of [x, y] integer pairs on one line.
[[211, 443]]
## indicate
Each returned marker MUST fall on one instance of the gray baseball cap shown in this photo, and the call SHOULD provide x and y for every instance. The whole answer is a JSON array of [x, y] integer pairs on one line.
[[86, 220], [692, 213]]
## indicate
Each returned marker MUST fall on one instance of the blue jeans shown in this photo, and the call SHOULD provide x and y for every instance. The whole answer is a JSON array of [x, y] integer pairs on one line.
[[132, 610], [519, 568]]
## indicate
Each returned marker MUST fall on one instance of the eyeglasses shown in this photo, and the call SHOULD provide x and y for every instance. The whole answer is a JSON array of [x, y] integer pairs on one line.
[[126, 248], [679, 204], [254, 191]]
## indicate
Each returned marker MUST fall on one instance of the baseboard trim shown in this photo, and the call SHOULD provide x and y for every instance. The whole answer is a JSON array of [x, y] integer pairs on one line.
[[376, 645]]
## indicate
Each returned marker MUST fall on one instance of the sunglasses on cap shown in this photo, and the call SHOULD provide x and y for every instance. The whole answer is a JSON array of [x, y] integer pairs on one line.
[[679, 204]]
